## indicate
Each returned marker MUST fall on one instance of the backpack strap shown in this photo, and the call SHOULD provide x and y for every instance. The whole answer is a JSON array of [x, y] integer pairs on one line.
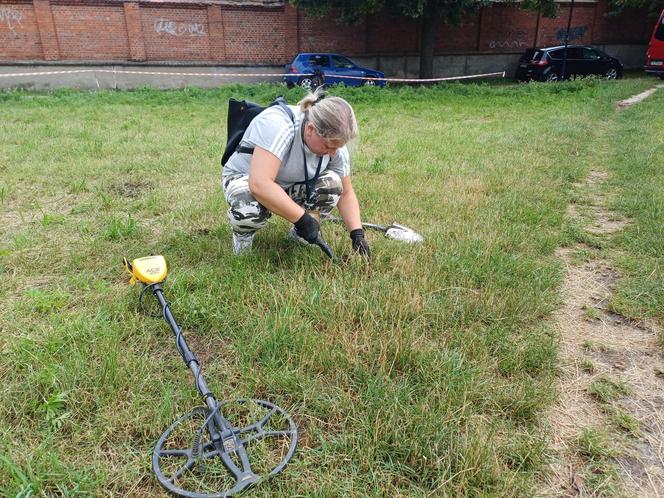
[[281, 102]]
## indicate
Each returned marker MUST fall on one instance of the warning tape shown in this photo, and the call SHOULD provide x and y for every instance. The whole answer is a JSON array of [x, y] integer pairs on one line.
[[423, 80], [247, 75]]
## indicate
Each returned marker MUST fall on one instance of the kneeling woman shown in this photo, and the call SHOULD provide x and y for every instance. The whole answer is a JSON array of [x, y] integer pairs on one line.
[[298, 166]]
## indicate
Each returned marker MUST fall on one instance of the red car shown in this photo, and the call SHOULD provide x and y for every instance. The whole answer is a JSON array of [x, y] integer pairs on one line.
[[655, 53]]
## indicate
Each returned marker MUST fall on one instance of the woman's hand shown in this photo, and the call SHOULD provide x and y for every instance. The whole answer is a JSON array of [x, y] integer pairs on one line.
[[308, 228], [360, 245], [349, 208]]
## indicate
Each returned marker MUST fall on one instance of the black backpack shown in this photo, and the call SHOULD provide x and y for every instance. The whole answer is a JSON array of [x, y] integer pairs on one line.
[[240, 114]]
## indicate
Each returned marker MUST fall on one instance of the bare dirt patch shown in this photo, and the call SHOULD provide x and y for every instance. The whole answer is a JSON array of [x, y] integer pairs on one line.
[[597, 344], [130, 189], [22, 217]]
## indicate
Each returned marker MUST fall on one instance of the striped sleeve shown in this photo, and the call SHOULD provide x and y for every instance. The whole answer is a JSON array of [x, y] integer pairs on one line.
[[271, 130]]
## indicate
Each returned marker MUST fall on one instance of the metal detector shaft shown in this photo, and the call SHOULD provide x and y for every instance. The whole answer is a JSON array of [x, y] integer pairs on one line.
[[225, 436], [380, 228], [187, 355]]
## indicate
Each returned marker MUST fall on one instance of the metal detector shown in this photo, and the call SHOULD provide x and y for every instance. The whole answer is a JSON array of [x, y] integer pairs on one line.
[[393, 231], [224, 447]]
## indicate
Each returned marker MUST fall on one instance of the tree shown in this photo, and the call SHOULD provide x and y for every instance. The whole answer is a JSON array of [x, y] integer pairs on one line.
[[430, 13], [653, 7]]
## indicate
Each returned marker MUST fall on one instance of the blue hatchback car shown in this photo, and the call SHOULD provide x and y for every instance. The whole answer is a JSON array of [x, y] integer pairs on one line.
[[330, 69]]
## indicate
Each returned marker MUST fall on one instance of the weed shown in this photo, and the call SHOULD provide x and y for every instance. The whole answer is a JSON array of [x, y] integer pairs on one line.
[[606, 389], [601, 474], [583, 255], [54, 409], [105, 200], [44, 301], [378, 165], [587, 365], [590, 313], [118, 229], [625, 421], [52, 219], [78, 186], [602, 479], [21, 241], [594, 444]]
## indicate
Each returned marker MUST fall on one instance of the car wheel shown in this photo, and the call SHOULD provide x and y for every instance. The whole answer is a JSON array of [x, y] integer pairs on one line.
[[369, 83], [551, 77], [307, 82], [611, 73]]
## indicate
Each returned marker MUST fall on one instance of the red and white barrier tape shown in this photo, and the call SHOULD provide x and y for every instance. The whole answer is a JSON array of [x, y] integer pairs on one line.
[[421, 80], [246, 75]]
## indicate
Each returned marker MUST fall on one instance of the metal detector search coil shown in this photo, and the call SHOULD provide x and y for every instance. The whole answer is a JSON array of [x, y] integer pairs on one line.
[[224, 447]]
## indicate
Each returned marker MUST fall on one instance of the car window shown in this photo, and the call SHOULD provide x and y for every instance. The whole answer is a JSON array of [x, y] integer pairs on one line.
[[319, 60], [659, 33], [529, 55], [590, 54], [556, 54], [343, 62], [572, 53]]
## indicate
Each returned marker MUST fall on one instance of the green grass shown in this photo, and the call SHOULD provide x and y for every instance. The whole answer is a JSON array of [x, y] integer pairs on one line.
[[636, 166], [424, 374], [600, 473], [605, 389]]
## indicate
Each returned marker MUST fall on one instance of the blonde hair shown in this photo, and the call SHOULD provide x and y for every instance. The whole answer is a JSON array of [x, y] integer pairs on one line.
[[333, 117]]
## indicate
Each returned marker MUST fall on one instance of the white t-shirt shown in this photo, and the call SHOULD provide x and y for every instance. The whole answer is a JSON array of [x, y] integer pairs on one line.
[[274, 131]]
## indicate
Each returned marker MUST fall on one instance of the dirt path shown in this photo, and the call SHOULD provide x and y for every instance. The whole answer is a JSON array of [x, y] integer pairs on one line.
[[607, 428], [635, 99]]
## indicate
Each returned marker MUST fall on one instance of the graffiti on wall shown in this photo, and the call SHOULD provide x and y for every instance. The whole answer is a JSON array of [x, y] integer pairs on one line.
[[575, 33], [10, 16], [513, 38], [179, 28]]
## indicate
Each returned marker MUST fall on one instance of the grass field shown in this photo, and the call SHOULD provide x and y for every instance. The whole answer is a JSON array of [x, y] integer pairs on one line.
[[425, 374]]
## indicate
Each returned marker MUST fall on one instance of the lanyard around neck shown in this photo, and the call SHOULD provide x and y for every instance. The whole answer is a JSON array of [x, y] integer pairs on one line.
[[307, 183]]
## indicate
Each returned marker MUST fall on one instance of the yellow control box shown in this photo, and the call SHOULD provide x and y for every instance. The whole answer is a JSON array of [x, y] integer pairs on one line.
[[149, 270]]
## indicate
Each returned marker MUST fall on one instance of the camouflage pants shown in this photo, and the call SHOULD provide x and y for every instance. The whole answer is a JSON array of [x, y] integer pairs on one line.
[[246, 214]]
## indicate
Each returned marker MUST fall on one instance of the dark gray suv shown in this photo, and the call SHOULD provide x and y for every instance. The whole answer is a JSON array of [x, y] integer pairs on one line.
[[546, 64]]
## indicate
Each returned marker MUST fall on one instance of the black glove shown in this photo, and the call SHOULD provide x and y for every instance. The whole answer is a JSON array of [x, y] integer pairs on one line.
[[360, 245], [307, 227]]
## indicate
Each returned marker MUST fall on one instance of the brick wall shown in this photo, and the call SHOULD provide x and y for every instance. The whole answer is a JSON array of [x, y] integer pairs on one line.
[[508, 30], [329, 33], [552, 31], [92, 32], [388, 34], [176, 33], [612, 29], [214, 31], [255, 36], [19, 36]]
